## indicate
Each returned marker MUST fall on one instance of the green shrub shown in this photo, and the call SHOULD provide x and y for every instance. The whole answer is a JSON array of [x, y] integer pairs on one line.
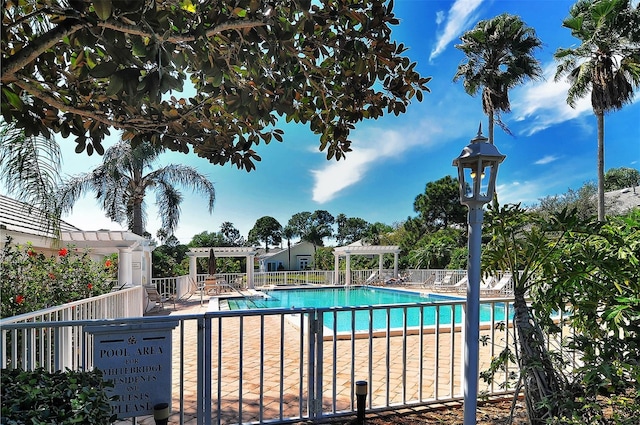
[[40, 397], [30, 281]]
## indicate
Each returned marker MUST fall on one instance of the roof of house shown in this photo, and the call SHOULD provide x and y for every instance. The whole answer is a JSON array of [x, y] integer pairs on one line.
[[624, 200], [26, 221], [277, 250], [20, 217]]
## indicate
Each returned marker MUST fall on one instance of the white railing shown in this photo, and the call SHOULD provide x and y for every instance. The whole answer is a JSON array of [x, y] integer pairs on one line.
[[57, 348], [441, 279], [302, 277], [179, 286]]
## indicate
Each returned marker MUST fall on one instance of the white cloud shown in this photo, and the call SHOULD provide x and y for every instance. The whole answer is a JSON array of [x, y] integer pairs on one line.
[[546, 159], [440, 16], [542, 104], [381, 145], [527, 192], [460, 16]]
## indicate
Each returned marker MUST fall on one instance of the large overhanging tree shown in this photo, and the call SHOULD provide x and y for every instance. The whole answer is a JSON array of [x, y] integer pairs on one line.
[[81, 68]]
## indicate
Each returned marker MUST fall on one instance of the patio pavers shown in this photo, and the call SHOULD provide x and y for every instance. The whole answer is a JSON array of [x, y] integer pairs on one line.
[[229, 397]]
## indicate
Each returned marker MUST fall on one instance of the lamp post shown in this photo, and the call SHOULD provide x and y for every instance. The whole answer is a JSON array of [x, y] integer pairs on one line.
[[477, 171]]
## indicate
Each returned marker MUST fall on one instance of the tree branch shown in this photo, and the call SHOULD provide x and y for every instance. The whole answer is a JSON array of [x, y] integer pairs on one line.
[[50, 100], [41, 44], [177, 39], [49, 39]]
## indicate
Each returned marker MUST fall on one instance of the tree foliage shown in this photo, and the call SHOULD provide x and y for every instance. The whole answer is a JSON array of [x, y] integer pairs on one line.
[[231, 235], [375, 233], [30, 171], [268, 230], [120, 184], [312, 227], [210, 77], [596, 272], [439, 206], [583, 201], [206, 239], [350, 229], [606, 65], [621, 178], [565, 263], [170, 260], [499, 57], [436, 249]]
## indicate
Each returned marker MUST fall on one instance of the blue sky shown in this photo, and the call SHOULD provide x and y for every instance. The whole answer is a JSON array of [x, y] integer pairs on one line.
[[553, 147]]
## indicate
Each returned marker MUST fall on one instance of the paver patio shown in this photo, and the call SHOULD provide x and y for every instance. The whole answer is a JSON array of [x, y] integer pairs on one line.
[[256, 350]]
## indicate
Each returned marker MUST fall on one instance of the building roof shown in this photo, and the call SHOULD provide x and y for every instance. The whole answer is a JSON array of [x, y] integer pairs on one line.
[[18, 216], [623, 200], [277, 250], [24, 223]]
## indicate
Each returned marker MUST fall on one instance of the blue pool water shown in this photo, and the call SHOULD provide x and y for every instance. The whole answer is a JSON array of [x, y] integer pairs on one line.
[[364, 296]]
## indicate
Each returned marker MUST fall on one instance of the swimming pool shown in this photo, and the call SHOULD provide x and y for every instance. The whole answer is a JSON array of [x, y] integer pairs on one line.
[[365, 296]]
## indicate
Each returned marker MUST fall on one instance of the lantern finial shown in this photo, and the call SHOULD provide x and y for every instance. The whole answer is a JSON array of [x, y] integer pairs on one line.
[[479, 137]]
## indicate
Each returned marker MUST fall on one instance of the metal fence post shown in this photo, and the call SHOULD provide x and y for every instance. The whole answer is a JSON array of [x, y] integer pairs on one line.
[[204, 371]]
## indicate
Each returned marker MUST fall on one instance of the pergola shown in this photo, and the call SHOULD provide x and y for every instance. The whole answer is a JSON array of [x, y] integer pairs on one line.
[[349, 250], [134, 251], [222, 251]]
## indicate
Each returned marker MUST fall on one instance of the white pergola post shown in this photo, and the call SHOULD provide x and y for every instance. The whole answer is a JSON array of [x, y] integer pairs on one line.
[[379, 250], [230, 252], [380, 265], [336, 268], [250, 260], [193, 268], [395, 264], [125, 271], [131, 248]]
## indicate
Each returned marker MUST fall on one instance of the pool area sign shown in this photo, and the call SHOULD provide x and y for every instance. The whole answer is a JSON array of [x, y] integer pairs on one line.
[[137, 359]]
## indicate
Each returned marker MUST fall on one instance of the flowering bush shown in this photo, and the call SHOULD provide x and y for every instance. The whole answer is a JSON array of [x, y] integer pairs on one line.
[[31, 281]]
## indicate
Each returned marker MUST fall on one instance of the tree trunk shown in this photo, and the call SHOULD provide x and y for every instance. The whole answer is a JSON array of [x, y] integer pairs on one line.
[[491, 125], [137, 227], [542, 383], [600, 117]]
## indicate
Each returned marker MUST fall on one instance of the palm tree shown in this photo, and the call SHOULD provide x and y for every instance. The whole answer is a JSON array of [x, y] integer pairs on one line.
[[288, 233], [499, 57], [606, 64], [121, 185], [30, 170]]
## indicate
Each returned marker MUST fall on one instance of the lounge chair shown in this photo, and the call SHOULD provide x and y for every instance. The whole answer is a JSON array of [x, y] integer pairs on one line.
[[500, 287], [459, 286], [429, 281], [158, 299], [213, 285], [396, 280], [487, 282], [371, 278], [442, 284]]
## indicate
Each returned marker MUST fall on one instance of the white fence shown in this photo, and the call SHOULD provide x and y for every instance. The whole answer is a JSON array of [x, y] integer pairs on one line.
[[282, 365], [440, 279], [57, 348]]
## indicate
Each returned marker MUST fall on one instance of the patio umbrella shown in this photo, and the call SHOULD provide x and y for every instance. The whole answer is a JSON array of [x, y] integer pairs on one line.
[[212, 263]]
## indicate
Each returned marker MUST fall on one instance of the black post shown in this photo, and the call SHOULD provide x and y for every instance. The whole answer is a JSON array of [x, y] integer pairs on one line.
[[361, 396], [161, 413]]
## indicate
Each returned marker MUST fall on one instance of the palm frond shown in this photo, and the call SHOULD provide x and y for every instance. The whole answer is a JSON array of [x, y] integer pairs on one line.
[[30, 170], [168, 200]]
